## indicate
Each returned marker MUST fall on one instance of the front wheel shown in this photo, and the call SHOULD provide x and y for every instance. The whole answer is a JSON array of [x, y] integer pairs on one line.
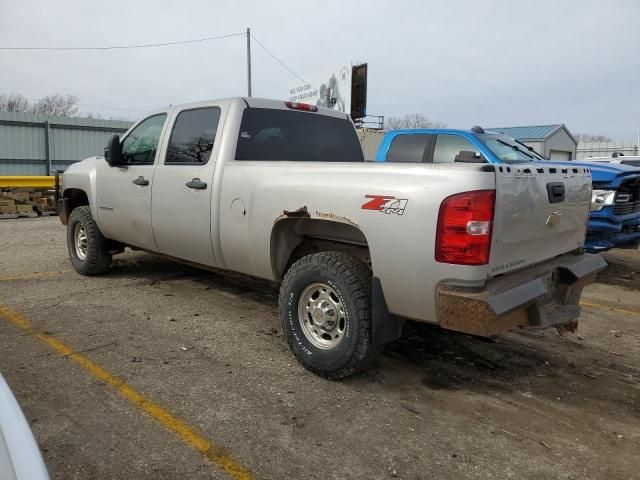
[[88, 249], [325, 310]]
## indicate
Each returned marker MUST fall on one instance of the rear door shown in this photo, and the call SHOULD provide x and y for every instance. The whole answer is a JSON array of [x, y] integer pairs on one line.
[[182, 188], [541, 212], [124, 192], [410, 148]]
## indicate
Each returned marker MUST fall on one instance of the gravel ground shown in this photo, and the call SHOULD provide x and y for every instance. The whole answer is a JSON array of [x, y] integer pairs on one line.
[[207, 347]]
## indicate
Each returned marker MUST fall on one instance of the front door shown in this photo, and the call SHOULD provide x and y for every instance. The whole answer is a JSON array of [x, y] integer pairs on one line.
[[182, 187], [124, 192]]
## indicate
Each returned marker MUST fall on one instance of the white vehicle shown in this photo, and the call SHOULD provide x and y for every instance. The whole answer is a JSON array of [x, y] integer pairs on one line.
[[280, 191], [631, 160], [20, 457]]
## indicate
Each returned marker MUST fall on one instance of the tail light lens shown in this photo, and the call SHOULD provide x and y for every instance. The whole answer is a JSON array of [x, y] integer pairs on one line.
[[465, 222]]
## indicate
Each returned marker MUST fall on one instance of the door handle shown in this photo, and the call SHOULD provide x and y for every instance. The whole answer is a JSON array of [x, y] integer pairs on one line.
[[143, 182], [197, 184], [555, 192]]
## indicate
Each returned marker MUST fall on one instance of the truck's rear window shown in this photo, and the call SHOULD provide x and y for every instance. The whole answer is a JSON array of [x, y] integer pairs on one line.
[[268, 134]]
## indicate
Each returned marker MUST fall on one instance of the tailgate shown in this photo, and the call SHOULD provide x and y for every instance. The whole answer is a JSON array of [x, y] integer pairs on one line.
[[541, 212]]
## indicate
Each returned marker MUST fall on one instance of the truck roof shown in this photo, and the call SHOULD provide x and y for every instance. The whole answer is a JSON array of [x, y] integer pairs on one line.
[[433, 131], [252, 102], [390, 135]]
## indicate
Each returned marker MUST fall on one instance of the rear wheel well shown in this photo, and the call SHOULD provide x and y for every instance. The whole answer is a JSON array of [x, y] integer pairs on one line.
[[310, 245], [294, 238]]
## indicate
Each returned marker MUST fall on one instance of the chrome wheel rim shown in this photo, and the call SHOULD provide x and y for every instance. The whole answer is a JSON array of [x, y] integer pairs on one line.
[[80, 241], [322, 316]]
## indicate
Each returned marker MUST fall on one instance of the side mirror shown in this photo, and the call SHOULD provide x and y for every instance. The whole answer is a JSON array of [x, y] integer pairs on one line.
[[113, 151], [468, 156]]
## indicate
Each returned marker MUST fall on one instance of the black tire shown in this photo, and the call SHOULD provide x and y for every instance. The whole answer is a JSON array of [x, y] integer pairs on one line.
[[98, 258], [350, 280]]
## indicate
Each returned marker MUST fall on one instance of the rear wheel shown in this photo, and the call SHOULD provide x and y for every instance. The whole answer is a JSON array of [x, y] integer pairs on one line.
[[88, 249], [325, 310]]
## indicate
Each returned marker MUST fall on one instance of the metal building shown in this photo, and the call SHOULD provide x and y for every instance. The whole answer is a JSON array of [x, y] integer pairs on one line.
[[33, 144], [553, 141], [607, 149]]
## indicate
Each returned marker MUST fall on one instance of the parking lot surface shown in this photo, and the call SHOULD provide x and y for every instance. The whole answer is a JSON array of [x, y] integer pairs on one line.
[[174, 372]]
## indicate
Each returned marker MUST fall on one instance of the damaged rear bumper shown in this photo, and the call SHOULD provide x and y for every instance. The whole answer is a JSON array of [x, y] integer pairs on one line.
[[545, 295]]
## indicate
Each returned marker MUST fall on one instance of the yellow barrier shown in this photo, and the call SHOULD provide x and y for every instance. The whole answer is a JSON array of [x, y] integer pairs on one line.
[[33, 181]]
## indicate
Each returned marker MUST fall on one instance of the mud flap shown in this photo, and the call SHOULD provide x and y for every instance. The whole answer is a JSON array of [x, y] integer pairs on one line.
[[386, 326], [62, 206]]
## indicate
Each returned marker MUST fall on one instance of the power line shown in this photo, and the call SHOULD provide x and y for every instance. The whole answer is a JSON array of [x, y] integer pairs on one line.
[[163, 44], [121, 47], [278, 60]]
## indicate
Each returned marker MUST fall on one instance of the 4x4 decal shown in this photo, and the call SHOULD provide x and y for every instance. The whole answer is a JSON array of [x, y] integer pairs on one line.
[[385, 204]]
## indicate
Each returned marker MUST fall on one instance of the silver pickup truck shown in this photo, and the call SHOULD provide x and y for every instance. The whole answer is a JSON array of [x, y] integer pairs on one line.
[[280, 191]]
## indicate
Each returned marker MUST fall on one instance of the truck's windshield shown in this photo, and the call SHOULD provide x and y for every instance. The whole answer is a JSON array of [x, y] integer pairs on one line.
[[509, 150]]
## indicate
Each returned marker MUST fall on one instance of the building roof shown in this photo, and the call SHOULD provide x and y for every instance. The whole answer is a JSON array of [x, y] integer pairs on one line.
[[532, 133]]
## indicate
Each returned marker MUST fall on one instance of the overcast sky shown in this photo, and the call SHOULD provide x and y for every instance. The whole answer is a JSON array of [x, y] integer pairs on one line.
[[491, 63]]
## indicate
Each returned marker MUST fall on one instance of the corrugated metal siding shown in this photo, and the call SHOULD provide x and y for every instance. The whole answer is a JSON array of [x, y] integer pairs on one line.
[[22, 168], [23, 141], [67, 144], [537, 146], [606, 149], [561, 142]]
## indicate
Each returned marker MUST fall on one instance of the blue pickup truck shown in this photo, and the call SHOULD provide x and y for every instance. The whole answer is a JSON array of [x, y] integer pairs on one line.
[[615, 207]]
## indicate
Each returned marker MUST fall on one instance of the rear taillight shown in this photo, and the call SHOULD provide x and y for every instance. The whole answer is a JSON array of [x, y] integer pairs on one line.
[[465, 222], [301, 106]]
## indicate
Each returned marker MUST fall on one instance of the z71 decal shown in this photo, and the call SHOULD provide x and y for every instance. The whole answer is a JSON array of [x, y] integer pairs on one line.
[[385, 204]]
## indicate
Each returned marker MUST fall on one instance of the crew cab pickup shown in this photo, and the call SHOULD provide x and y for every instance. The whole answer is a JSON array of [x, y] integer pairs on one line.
[[615, 204], [281, 191]]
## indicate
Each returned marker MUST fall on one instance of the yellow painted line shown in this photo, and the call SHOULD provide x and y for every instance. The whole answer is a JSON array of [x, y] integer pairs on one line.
[[27, 181], [607, 307], [164, 417], [27, 276]]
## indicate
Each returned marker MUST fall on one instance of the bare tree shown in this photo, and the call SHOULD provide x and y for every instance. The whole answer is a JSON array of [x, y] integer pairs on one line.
[[590, 137], [394, 123], [412, 120], [59, 105], [14, 102]]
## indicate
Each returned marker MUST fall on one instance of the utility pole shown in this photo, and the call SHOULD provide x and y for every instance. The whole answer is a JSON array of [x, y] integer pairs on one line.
[[248, 62]]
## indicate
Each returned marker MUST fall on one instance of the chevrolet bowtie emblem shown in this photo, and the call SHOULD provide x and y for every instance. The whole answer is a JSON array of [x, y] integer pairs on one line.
[[553, 219]]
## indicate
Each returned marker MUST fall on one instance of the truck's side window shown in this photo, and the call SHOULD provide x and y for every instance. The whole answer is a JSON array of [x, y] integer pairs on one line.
[[449, 146], [139, 147], [410, 148], [270, 134], [192, 137]]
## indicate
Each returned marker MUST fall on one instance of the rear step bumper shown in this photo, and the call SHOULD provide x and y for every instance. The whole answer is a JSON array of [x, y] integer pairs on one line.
[[544, 295]]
